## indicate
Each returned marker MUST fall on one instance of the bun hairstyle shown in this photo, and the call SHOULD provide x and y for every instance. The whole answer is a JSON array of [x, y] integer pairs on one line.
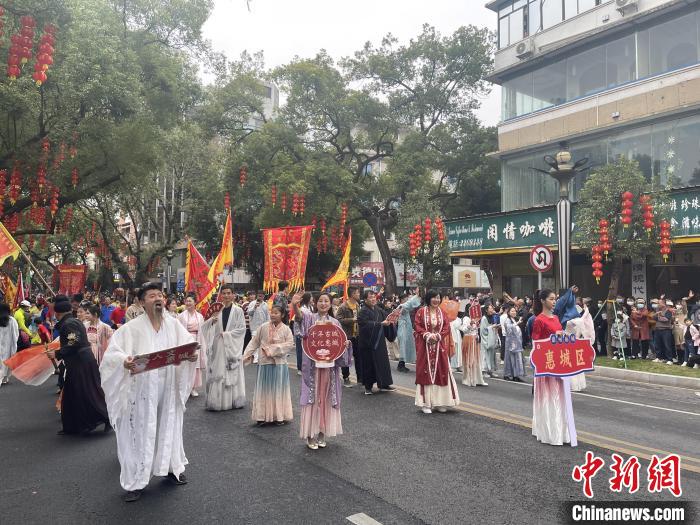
[[540, 296], [4, 314]]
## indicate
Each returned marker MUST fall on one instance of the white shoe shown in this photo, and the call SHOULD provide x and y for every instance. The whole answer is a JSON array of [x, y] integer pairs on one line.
[[442, 410], [685, 363], [696, 366], [482, 384], [614, 358], [675, 360], [669, 362], [194, 393], [657, 360], [426, 410], [298, 372]]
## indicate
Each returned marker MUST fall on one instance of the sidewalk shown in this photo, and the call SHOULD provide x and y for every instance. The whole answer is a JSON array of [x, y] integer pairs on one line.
[[647, 377]]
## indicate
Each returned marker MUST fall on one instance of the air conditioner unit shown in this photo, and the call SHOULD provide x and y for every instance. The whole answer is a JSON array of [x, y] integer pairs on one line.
[[627, 6], [524, 49]]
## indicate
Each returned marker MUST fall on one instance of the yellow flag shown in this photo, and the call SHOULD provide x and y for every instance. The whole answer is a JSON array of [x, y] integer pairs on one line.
[[342, 274], [226, 254], [8, 246]]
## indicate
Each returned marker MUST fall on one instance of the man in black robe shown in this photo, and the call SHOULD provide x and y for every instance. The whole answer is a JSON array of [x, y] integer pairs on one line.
[[83, 405], [374, 330]]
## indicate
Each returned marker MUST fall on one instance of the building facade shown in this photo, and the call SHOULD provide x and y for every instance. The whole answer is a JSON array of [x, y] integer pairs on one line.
[[611, 78]]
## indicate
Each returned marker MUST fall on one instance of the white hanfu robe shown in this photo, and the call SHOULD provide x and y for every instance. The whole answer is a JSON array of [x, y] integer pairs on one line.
[[146, 409], [225, 379], [8, 346]]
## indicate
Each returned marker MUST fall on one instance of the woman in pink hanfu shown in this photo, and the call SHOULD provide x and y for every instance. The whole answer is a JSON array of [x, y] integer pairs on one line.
[[192, 320]]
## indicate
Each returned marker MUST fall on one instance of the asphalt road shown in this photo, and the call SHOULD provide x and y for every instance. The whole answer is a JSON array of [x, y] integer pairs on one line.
[[393, 463]]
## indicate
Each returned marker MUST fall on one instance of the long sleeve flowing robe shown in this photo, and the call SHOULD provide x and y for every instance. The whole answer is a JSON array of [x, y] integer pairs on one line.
[[435, 383], [372, 346], [407, 345], [225, 380], [99, 336], [147, 409], [8, 345]]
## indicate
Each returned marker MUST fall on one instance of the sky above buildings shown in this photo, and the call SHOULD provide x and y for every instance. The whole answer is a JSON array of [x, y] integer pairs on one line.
[[283, 29]]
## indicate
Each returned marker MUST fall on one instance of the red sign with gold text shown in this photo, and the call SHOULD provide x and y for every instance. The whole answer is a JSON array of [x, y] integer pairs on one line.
[[169, 356], [562, 356], [324, 343]]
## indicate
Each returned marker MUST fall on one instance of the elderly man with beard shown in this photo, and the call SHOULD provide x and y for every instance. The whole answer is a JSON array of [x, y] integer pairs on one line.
[[147, 409]]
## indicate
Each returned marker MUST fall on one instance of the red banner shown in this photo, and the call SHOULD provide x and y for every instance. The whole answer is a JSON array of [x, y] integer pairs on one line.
[[286, 254], [169, 356], [562, 356], [196, 275], [71, 278]]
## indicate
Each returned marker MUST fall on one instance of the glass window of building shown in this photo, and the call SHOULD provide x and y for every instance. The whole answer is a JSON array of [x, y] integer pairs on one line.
[[585, 5], [517, 28], [673, 45], [634, 144], [517, 96], [534, 20], [585, 73], [620, 63], [503, 31], [549, 86], [570, 8], [552, 13], [676, 146]]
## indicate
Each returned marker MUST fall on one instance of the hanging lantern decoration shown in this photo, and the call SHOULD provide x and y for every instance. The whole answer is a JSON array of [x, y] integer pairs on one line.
[[604, 238], [2, 22], [597, 264], [319, 246], [44, 57], [3, 189], [412, 245], [73, 151], [284, 203], [74, 178], [14, 57], [27, 24], [440, 229], [626, 212], [313, 222], [243, 175], [427, 236], [302, 204], [343, 216], [15, 183], [647, 213], [665, 234], [227, 201], [54, 200], [30, 242], [273, 195], [68, 218], [295, 204]]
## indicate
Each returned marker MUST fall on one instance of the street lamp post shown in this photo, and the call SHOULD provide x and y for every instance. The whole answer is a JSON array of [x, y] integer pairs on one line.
[[562, 169], [169, 256]]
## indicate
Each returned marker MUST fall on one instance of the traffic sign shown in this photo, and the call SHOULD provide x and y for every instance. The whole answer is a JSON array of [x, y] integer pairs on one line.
[[541, 258], [369, 279]]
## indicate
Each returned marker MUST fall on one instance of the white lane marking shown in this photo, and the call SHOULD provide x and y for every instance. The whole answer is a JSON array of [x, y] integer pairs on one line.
[[609, 398], [362, 519]]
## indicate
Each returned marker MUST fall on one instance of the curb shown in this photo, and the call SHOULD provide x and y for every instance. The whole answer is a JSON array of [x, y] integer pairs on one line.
[[647, 377]]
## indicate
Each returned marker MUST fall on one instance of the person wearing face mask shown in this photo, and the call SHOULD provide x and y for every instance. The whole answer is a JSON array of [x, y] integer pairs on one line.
[[663, 333], [600, 323], [639, 327], [680, 313]]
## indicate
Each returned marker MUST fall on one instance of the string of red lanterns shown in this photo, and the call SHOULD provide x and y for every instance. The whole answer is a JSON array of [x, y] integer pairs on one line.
[[626, 211], [647, 213], [243, 175], [665, 234]]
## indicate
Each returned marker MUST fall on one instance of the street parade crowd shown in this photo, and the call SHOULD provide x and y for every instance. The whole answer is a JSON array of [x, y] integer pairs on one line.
[[100, 339]]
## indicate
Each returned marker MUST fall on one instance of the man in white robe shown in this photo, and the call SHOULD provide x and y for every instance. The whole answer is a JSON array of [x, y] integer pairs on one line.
[[146, 409], [224, 333]]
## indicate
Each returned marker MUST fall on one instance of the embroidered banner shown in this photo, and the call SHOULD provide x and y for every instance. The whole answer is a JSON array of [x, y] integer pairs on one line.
[[71, 278], [286, 254]]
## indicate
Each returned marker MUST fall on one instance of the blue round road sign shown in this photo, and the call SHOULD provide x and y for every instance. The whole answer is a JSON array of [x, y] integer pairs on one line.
[[369, 279]]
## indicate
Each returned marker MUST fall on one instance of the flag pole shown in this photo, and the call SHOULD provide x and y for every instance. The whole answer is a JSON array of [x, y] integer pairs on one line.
[[41, 277]]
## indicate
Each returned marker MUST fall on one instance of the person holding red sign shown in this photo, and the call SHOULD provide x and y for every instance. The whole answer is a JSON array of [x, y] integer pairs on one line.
[[321, 388], [549, 423], [435, 384], [272, 400]]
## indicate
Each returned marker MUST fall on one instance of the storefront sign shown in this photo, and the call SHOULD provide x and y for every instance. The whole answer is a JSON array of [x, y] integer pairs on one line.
[[639, 279], [359, 271], [525, 229], [510, 230], [468, 276]]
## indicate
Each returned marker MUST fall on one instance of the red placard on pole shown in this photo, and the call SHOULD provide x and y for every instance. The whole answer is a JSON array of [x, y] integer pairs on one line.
[[562, 356]]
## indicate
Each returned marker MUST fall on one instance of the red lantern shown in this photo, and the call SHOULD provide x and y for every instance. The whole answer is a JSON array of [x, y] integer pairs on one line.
[[243, 175], [15, 183], [626, 211], [54, 200], [284, 203], [273, 195], [665, 234], [302, 204], [427, 227], [313, 222], [74, 177], [295, 204]]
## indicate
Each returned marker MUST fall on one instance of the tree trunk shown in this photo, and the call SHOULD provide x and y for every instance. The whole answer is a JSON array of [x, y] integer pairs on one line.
[[613, 291], [375, 223]]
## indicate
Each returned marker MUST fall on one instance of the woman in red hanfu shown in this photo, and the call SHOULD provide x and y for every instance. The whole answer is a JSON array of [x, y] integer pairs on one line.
[[435, 385], [548, 405]]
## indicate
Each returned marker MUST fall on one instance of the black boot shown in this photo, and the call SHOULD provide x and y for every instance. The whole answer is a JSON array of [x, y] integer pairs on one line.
[[402, 367]]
